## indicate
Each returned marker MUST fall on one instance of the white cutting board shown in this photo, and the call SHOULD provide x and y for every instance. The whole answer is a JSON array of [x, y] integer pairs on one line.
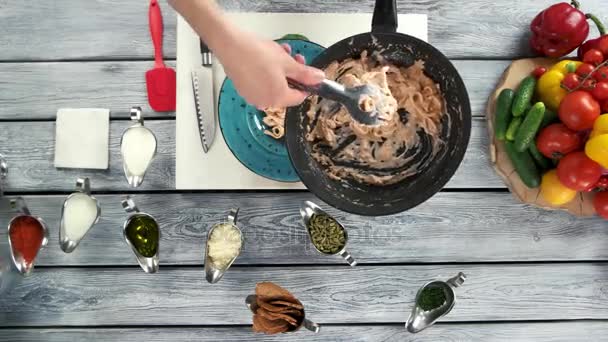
[[219, 169]]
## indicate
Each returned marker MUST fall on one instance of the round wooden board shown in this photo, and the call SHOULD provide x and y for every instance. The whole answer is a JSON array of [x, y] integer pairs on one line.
[[582, 205]]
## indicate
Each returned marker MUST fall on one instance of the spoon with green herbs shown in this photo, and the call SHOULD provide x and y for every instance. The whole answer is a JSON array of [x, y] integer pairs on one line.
[[433, 301]]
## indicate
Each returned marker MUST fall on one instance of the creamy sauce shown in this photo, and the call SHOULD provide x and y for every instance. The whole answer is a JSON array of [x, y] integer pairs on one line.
[[79, 214], [410, 110], [138, 147]]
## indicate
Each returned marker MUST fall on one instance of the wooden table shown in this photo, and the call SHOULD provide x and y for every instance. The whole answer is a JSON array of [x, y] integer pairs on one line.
[[532, 275]]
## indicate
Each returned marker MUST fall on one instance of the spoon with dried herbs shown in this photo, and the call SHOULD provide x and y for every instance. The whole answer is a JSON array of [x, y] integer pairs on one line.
[[327, 235]]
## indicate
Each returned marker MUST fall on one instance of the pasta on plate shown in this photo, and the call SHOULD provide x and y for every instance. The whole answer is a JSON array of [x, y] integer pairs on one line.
[[275, 119]]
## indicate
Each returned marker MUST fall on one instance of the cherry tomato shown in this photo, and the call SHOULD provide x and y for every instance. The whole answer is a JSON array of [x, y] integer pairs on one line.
[[600, 203], [601, 74], [593, 56], [602, 45], [601, 185], [577, 172], [585, 70], [579, 110], [557, 140], [589, 84], [571, 81], [600, 92], [539, 71]]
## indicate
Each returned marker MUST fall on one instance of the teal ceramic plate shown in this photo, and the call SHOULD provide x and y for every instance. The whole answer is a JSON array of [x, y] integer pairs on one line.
[[243, 128]]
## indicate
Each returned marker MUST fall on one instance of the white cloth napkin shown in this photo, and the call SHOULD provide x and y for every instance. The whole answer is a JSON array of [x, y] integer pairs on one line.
[[82, 138]]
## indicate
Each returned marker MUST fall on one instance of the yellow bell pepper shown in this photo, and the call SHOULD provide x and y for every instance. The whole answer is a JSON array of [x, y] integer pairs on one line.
[[553, 191], [600, 126], [597, 149], [549, 86]]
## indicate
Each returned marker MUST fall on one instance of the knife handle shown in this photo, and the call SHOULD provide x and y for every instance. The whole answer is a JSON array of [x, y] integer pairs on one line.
[[155, 20]]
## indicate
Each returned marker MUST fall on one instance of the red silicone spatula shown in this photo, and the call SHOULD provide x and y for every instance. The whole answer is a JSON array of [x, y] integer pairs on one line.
[[160, 81]]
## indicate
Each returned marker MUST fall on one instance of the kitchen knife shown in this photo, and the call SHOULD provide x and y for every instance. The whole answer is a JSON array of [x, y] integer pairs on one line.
[[204, 98]]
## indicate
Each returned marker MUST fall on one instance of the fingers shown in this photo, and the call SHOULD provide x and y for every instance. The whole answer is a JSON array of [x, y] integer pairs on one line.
[[304, 74], [287, 48], [300, 59], [293, 98]]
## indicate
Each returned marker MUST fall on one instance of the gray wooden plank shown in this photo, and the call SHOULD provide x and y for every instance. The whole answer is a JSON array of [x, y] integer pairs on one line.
[[29, 148], [451, 227], [580, 331], [58, 30], [37, 90], [181, 296]]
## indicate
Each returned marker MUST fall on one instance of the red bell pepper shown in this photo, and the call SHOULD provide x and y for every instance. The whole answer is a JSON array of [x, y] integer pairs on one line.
[[594, 43], [559, 30]]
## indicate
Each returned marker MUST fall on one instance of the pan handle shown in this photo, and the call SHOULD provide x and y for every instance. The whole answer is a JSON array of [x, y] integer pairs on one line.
[[385, 16]]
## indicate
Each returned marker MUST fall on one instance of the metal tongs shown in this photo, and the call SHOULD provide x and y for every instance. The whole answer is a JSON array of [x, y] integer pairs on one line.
[[351, 98]]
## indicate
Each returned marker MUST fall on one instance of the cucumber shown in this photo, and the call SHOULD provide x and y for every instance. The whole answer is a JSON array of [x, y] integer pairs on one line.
[[549, 118], [513, 127], [523, 96], [524, 166], [503, 116], [529, 127], [540, 160]]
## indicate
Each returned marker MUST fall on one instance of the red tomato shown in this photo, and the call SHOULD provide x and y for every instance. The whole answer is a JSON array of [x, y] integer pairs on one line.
[[589, 84], [557, 140], [578, 110], [539, 71], [571, 81], [600, 203], [602, 45], [577, 172], [601, 74], [585, 70], [601, 185], [593, 56], [605, 106], [600, 92]]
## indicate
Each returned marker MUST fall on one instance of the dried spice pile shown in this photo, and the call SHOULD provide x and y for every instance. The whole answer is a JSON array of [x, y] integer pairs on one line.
[[277, 311], [326, 234]]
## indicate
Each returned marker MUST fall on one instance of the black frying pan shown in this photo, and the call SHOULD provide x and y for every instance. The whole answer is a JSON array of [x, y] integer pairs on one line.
[[403, 50]]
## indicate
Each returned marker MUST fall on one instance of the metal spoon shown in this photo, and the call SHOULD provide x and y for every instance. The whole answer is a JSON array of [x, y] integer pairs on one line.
[[135, 180], [349, 97], [22, 266], [83, 187], [3, 173], [252, 304], [213, 274], [307, 210], [148, 264], [420, 319]]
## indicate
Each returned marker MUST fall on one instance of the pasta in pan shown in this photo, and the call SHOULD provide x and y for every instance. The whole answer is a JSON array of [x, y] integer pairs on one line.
[[400, 146]]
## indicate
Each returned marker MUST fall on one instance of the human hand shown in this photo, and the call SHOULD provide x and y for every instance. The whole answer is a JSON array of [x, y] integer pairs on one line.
[[259, 69]]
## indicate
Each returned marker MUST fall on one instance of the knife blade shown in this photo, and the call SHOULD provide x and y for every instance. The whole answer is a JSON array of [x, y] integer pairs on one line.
[[204, 94]]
